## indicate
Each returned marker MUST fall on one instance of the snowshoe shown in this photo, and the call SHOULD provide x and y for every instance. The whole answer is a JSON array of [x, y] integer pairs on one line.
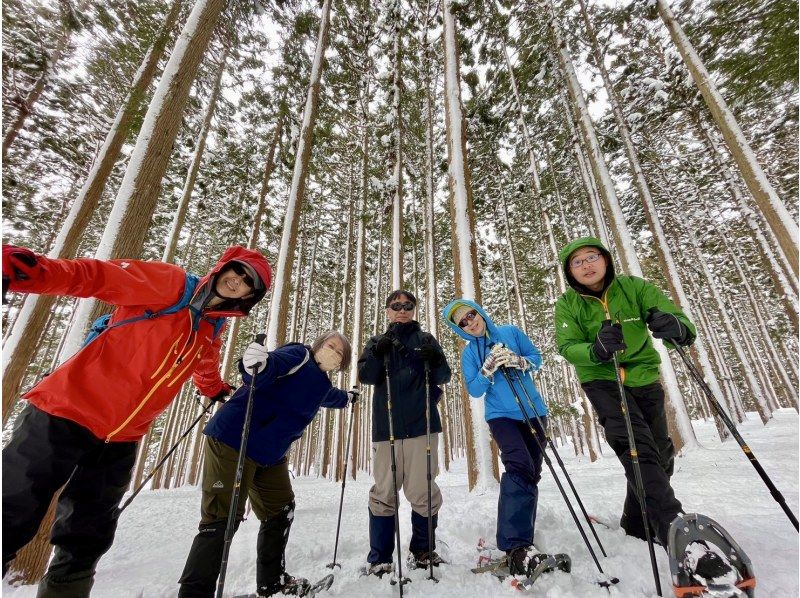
[[419, 560], [525, 565], [377, 569], [705, 560], [292, 586]]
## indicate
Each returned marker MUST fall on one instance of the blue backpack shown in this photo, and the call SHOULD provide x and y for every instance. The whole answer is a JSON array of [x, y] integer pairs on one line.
[[101, 323]]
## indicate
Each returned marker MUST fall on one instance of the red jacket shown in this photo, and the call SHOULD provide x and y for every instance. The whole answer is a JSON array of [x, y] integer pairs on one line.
[[120, 382]]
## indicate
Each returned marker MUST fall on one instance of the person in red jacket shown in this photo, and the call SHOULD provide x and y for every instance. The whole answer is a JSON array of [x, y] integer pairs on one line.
[[82, 422]]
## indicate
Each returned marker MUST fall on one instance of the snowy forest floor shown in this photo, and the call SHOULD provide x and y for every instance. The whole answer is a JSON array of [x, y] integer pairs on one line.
[[155, 534]]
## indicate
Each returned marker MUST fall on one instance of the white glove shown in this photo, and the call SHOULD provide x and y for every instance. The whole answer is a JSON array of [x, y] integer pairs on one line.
[[255, 355], [490, 366], [507, 358]]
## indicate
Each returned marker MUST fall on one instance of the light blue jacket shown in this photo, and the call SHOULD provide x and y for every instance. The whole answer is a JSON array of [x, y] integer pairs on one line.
[[500, 401]]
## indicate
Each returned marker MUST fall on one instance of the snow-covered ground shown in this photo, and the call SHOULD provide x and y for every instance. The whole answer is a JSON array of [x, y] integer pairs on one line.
[[156, 531]]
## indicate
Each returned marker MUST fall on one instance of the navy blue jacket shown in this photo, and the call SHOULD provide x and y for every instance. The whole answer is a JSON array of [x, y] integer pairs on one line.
[[407, 372], [288, 394]]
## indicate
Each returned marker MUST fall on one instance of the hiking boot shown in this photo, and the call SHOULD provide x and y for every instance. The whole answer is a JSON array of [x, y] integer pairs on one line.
[[377, 569]]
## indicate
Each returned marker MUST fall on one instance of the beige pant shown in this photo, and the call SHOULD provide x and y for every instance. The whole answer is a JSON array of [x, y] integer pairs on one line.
[[412, 476]]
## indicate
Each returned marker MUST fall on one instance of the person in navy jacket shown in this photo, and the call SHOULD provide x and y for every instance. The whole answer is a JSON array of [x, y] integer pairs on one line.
[[291, 385], [490, 347], [408, 349]]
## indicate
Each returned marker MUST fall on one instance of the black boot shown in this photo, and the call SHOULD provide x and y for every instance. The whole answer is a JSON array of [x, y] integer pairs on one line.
[[272, 538], [199, 578]]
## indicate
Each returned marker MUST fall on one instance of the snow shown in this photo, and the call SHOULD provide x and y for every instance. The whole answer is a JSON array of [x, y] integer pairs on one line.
[[155, 533]]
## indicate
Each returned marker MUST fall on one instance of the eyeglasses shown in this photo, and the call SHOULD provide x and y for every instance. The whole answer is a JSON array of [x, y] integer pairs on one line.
[[467, 319], [242, 271], [589, 259], [406, 305]]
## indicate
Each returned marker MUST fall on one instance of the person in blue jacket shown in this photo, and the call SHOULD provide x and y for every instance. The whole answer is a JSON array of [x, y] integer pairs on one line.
[[490, 347], [291, 385]]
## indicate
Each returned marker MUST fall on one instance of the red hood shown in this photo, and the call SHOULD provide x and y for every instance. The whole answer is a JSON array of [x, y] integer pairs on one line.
[[253, 259]]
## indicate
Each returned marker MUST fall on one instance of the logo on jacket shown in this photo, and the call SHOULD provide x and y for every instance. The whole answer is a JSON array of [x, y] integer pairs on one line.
[[124, 264], [218, 484], [564, 325]]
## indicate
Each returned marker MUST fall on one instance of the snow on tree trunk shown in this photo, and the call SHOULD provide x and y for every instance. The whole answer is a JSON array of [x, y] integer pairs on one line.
[[778, 217], [194, 166], [678, 418], [19, 349], [136, 200], [465, 257], [429, 243], [276, 331]]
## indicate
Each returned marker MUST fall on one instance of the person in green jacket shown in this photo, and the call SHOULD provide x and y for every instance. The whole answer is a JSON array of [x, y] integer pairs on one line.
[[602, 314]]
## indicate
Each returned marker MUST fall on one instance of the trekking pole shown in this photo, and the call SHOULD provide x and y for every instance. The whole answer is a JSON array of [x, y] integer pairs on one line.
[[400, 580], [428, 456], [344, 481], [560, 462], [637, 470], [231, 526], [165, 457], [549, 463], [734, 432]]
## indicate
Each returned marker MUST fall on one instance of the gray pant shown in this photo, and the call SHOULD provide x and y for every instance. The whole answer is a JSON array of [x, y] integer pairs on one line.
[[412, 475]]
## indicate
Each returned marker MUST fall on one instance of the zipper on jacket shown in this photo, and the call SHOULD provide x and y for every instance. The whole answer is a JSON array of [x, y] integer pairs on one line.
[[163, 378]]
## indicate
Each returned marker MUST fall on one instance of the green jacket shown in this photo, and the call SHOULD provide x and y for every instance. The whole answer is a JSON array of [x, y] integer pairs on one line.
[[626, 299]]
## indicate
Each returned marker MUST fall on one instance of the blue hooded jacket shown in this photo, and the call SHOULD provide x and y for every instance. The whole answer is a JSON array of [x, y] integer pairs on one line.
[[288, 394], [500, 401]]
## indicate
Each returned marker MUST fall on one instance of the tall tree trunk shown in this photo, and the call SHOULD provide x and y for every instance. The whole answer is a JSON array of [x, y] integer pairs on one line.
[[397, 198], [194, 166], [465, 256], [35, 92], [532, 168], [138, 195], [774, 210], [678, 418], [19, 349], [276, 331], [785, 283]]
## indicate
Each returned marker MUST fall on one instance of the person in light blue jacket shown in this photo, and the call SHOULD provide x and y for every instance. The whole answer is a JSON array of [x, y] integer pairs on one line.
[[489, 348]]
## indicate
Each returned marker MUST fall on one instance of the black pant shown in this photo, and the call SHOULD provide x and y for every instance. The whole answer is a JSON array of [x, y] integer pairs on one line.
[[653, 444], [44, 453]]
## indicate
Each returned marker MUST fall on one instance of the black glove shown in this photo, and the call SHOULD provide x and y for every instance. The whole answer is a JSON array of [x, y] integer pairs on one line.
[[667, 326], [609, 340], [383, 346], [353, 395], [430, 353], [222, 394]]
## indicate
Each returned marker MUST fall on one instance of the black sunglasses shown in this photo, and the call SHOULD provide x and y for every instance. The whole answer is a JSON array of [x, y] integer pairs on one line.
[[468, 317], [406, 305], [242, 271]]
